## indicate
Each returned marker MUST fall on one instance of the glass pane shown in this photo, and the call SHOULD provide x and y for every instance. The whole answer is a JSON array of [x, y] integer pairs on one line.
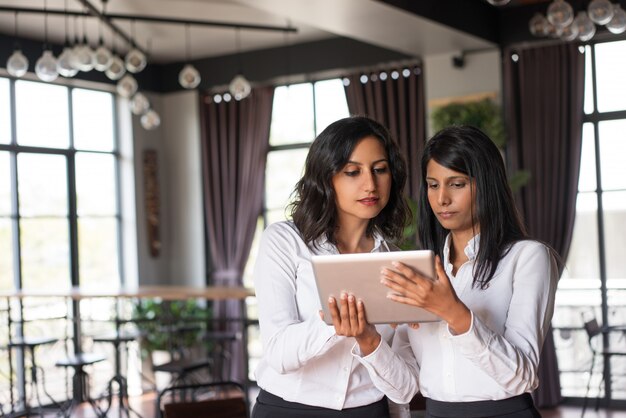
[[612, 153], [588, 81], [610, 80], [45, 253], [330, 103], [95, 184], [41, 114], [5, 184], [98, 253], [284, 169], [93, 120], [5, 111], [614, 210], [6, 255], [292, 115], [587, 179], [42, 184], [583, 261]]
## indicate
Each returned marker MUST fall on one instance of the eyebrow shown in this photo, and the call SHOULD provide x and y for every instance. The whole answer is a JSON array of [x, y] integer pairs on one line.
[[450, 178], [374, 162]]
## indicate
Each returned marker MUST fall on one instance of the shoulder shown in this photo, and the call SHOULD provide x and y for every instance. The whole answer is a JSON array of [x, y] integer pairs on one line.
[[282, 232], [532, 254], [529, 247]]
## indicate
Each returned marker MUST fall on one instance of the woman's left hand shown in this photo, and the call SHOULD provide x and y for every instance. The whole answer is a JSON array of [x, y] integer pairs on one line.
[[349, 320], [435, 295]]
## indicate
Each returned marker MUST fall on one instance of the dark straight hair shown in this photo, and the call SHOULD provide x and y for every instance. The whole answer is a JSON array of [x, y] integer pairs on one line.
[[314, 210], [469, 151]]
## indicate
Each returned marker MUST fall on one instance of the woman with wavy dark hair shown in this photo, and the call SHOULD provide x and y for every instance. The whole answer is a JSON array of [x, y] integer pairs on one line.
[[494, 291], [349, 200]]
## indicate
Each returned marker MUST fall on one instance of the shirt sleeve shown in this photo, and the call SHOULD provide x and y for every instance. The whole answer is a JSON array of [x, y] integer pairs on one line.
[[290, 338], [512, 359], [394, 372]]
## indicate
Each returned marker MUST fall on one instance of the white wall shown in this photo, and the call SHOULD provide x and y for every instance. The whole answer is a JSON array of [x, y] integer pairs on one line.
[[481, 74]]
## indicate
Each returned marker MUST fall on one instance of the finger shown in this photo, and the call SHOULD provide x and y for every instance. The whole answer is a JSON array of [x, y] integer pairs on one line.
[[440, 271], [343, 310], [409, 272], [352, 312], [394, 325], [414, 325], [334, 313], [403, 299], [360, 306]]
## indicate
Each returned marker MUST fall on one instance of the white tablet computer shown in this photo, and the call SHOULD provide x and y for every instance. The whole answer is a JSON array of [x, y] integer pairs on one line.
[[359, 274]]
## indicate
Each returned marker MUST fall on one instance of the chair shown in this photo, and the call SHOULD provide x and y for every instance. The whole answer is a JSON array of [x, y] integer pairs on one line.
[[225, 399], [593, 330]]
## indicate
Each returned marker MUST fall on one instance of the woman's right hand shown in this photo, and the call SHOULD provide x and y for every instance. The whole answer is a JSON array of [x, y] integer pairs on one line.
[[349, 320]]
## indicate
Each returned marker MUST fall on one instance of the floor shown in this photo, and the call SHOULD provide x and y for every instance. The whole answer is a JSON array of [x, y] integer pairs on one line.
[[144, 405]]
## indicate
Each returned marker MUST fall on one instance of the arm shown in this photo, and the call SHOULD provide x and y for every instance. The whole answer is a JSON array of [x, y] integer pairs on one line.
[[291, 334], [512, 359]]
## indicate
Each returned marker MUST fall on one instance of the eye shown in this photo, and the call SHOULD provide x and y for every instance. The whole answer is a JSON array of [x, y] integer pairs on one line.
[[432, 185], [458, 185], [381, 170], [351, 173]]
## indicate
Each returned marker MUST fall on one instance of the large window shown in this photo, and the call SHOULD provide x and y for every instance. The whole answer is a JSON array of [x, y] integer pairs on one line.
[[594, 281], [300, 112], [59, 216]]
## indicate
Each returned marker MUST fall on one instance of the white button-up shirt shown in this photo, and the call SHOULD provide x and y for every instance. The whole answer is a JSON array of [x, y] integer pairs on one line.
[[303, 360], [497, 357]]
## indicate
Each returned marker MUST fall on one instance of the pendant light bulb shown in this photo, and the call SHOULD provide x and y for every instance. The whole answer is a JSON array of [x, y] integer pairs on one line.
[[239, 87], [64, 63], [116, 69], [127, 86], [46, 67], [135, 61], [17, 64], [189, 77], [151, 120]]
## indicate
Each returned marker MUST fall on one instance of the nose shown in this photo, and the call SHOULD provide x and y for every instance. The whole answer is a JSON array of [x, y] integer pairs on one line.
[[369, 182], [443, 199]]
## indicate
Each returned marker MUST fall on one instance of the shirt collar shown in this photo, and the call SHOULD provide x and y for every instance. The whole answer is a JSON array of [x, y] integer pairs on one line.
[[471, 251], [325, 245]]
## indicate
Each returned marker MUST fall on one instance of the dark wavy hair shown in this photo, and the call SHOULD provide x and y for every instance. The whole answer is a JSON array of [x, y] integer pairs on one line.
[[469, 151], [314, 209]]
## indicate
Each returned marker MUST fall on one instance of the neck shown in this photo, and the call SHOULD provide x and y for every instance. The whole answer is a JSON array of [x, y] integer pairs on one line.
[[352, 237], [458, 242]]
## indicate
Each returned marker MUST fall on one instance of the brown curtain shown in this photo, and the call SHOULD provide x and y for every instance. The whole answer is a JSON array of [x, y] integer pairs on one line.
[[394, 98], [544, 93], [235, 141]]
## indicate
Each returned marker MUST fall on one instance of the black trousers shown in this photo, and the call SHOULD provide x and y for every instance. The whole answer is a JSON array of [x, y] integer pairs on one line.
[[520, 406], [271, 406]]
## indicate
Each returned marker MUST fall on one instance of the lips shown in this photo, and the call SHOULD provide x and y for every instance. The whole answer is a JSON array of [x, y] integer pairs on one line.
[[369, 201], [446, 215]]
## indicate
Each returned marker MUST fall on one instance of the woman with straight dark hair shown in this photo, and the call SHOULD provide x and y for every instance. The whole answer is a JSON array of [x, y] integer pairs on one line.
[[494, 291], [349, 200]]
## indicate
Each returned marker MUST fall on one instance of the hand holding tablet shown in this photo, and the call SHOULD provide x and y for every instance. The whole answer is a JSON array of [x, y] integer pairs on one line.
[[360, 274]]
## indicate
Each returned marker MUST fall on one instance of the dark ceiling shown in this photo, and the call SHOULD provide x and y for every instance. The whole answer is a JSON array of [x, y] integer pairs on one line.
[[504, 25]]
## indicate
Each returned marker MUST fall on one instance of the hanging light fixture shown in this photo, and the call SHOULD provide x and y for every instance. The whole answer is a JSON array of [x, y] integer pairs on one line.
[[188, 77], [151, 120], [127, 86], [17, 64], [239, 87], [83, 54], [617, 24], [135, 60], [498, 2], [600, 11], [116, 69], [102, 55], [558, 21], [64, 62], [139, 104], [46, 65]]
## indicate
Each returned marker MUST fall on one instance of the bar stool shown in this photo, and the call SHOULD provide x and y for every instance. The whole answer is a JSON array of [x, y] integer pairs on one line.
[[119, 341], [30, 344], [80, 381]]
